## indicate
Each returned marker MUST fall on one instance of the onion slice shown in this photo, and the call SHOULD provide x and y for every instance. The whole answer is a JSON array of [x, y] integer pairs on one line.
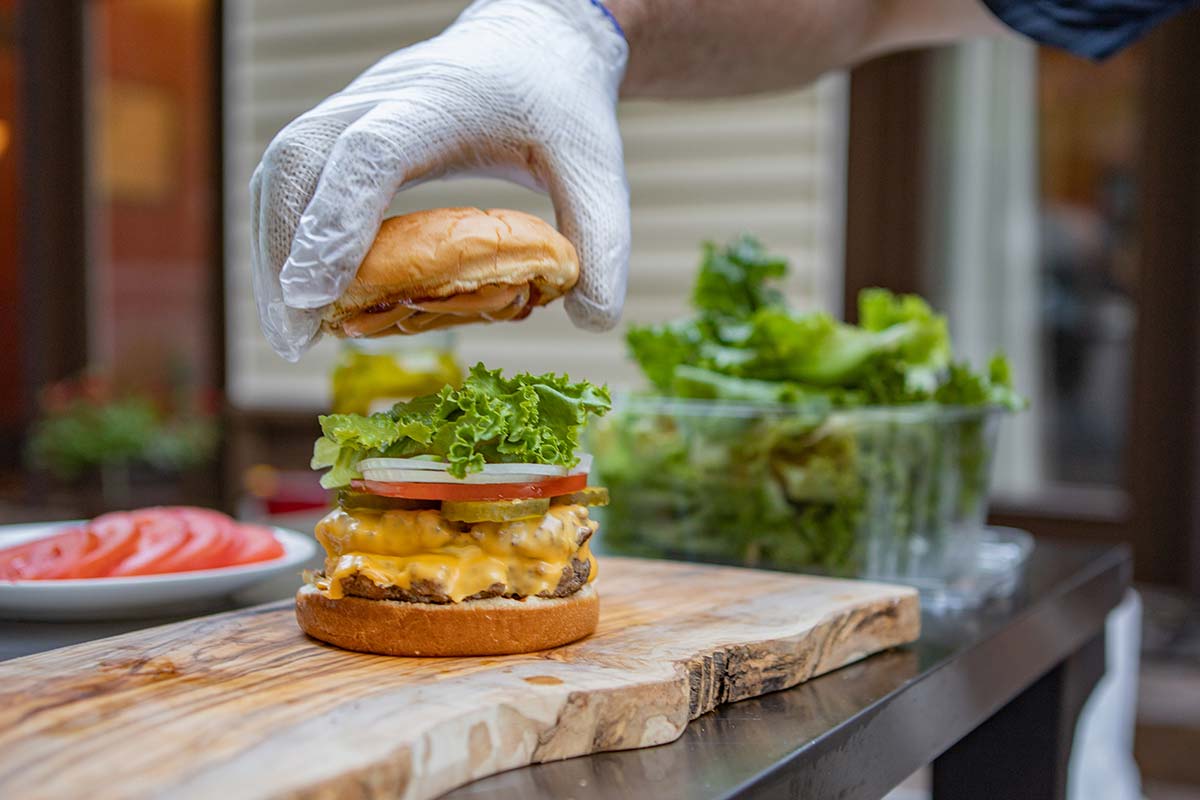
[[401, 463], [551, 470], [431, 476], [507, 470]]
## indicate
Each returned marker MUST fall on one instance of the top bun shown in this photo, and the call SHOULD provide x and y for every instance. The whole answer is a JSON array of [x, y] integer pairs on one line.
[[448, 266]]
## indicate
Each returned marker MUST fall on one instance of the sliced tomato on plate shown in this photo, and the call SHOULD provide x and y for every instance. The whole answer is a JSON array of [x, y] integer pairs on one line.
[[160, 535], [550, 487], [50, 558], [114, 537], [150, 541], [255, 544], [210, 541]]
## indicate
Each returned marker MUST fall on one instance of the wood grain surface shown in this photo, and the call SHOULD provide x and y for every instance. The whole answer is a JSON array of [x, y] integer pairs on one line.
[[243, 705]]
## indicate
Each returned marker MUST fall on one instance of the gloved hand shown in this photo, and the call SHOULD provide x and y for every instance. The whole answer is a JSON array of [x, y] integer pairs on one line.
[[520, 89]]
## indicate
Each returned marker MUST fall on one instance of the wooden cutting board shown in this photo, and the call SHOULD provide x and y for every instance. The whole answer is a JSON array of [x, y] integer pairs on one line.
[[244, 705]]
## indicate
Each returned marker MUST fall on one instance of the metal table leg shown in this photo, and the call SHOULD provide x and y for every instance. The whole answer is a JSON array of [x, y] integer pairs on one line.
[[1023, 750]]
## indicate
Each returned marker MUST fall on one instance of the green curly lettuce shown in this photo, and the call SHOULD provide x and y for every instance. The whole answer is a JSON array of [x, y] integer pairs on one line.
[[489, 419], [734, 280], [816, 349], [922, 354], [698, 383], [898, 354], [660, 349], [965, 387]]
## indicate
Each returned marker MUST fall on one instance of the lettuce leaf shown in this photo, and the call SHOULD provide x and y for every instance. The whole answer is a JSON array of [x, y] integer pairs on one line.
[[733, 280], [816, 349], [965, 387], [924, 353], [490, 419], [697, 383], [659, 349], [742, 330]]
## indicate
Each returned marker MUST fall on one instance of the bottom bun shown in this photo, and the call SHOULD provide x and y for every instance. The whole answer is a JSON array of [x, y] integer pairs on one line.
[[491, 627]]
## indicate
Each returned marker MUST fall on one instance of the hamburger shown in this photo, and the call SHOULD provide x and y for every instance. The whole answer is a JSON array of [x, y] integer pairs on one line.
[[451, 266], [463, 521]]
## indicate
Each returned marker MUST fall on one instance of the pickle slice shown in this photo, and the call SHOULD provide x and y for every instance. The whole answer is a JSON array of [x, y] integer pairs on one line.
[[495, 510], [372, 502], [591, 496]]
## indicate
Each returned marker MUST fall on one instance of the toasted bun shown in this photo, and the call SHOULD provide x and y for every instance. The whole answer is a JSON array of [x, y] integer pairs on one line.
[[443, 253], [491, 627]]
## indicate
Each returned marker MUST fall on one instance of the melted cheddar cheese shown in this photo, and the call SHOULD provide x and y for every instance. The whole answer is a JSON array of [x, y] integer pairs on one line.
[[398, 548]]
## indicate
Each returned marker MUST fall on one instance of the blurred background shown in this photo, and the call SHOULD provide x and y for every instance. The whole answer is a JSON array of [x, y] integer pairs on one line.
[[1047, 204]]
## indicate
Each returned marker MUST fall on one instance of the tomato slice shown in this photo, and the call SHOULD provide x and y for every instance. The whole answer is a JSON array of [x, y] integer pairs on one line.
[[11, 559], [50, 558], [16, 561], [255, 544], [114, 538], [64, 551], [210, 541], [551, 487], [159, 536]]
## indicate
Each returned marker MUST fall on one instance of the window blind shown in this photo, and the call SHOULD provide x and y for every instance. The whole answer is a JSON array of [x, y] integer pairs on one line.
[[771, 166]]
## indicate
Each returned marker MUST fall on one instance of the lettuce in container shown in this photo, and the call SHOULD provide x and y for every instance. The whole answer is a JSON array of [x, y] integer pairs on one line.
[[791, 440]]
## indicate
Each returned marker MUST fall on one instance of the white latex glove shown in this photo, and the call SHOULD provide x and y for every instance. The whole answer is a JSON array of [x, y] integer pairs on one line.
[[520, 89]]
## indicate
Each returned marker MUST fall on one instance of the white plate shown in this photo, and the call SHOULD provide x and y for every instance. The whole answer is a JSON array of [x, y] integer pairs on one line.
[[139, 596]]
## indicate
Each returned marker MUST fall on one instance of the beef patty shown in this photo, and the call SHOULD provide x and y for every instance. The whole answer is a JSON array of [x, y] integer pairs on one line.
[[574, 576]]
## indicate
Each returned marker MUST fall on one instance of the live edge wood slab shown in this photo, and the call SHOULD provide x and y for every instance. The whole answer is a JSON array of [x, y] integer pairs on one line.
[[244, 705]]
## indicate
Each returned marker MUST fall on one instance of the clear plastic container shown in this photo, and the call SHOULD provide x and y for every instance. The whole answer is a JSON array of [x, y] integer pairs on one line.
[[889, 493]]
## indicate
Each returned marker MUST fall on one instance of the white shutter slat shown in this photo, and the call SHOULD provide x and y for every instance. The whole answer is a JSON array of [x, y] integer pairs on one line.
[[674, 134], [697, 171]]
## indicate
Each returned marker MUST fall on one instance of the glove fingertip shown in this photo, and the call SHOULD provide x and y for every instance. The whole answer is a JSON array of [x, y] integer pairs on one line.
[[311, 278], [289, 354], [291, 333], [305, 294], [590, 316]]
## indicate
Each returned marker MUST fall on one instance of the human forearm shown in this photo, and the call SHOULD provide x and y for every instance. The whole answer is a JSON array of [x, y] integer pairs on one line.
[[710, 48]]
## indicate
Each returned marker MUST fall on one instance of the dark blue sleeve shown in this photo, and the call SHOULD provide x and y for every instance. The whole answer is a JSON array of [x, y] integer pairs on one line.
[[1091, 28]]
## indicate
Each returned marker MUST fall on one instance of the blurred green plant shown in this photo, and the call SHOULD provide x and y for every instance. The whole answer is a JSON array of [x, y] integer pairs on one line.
[[86, 425]]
